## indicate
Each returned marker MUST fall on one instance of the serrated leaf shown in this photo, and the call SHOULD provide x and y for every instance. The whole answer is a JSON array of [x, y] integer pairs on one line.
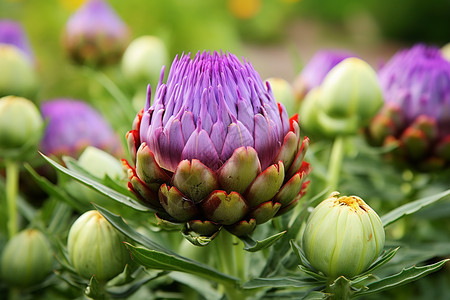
[[277, 282], [405, 276], [158, 260], [124, 291], [252, 245], [411, 207], [98, 186]]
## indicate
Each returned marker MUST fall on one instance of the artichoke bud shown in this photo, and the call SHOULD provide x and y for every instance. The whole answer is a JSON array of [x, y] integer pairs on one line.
[[343, 236], [21, 127], [95, 248], [143, 58], [350, 96], [284, 94], [18, 76], [415, 143], [26, 259]]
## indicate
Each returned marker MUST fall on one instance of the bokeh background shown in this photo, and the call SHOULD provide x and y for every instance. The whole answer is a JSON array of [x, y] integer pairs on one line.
[[277, 36]]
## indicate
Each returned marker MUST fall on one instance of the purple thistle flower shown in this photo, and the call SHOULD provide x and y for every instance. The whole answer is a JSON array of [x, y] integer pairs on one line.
[[12, 33], [416, 113], [95, 34], [317, 68], [417, 80], [211, 105], [72, 126], [215, 148]]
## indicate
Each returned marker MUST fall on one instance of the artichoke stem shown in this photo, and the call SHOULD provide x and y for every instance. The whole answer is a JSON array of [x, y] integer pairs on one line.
[[335, 164], [340, 289], [12, 182]]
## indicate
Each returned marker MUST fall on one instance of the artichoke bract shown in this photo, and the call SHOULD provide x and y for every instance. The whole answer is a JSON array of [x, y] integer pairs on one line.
[[215, 149], [343, 236], [26, 259], [95, 248], [95, 35], [416, 112]]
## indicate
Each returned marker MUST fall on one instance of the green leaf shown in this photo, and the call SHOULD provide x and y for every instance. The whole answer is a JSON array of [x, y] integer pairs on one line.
[[277, 282], [98, 186], [203, 287], [55, 190], [381, 260], [157, 250], [305, 266], [405, 276], [411, 207], [158, 260], [316, 295], [253, 246]]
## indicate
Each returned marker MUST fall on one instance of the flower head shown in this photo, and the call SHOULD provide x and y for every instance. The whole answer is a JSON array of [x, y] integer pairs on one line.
[[72, 126], [12, 33], [343, 236], [317, 68], [216, 142], [416, 114], [95, 34]]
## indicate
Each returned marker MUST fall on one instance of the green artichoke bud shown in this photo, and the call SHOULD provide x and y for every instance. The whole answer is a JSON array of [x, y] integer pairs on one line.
[[18, 76], [99, 164], [143, 59], [350, 96], [343, 236], [26, 259], [96, 248], [284, 93], [20, 127]]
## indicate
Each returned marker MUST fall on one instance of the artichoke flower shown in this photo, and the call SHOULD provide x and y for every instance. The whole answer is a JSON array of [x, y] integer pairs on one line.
[[316, 69], [343, 236], [12, 33], [95, 35], [215, 149], [69, 129], [416, 112]]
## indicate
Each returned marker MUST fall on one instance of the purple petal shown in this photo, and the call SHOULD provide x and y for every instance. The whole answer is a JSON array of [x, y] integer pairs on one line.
[[200, 146], [237, 136]]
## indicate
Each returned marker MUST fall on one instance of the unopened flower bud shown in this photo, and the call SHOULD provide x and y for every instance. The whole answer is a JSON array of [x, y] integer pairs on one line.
[[96, 248], [343, 236], [18, 75], [26, 259], [350, 97], [143, 59], [284, 93], [20, 127]]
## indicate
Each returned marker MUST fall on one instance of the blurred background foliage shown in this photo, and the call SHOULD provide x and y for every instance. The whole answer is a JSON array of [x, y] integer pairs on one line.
[[278, 36]]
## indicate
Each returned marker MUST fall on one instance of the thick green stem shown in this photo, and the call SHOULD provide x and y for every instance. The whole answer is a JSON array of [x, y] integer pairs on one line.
[[230, 261], [335, 165], [12, 183]]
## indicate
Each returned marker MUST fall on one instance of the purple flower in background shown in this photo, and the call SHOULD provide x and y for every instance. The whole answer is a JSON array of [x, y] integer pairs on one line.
[[72, 126], [416, 114], [215, 148], [95, 34], [317, 68], [12, 33]]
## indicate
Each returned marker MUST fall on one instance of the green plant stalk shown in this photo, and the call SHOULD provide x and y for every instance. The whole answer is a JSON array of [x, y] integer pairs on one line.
[[12, 183], [227, 262], [335, 164]]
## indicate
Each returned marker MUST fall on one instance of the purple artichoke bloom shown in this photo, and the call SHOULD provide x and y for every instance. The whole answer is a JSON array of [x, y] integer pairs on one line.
[[72, 126], [215, 148], [317, 68], [95, 34], [416, 114], [12, 33]]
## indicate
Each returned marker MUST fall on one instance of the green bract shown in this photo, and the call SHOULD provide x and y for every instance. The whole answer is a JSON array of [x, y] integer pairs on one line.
[[343, 236], [26, 259], [20, 126], [17, 76], [96, 248]]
